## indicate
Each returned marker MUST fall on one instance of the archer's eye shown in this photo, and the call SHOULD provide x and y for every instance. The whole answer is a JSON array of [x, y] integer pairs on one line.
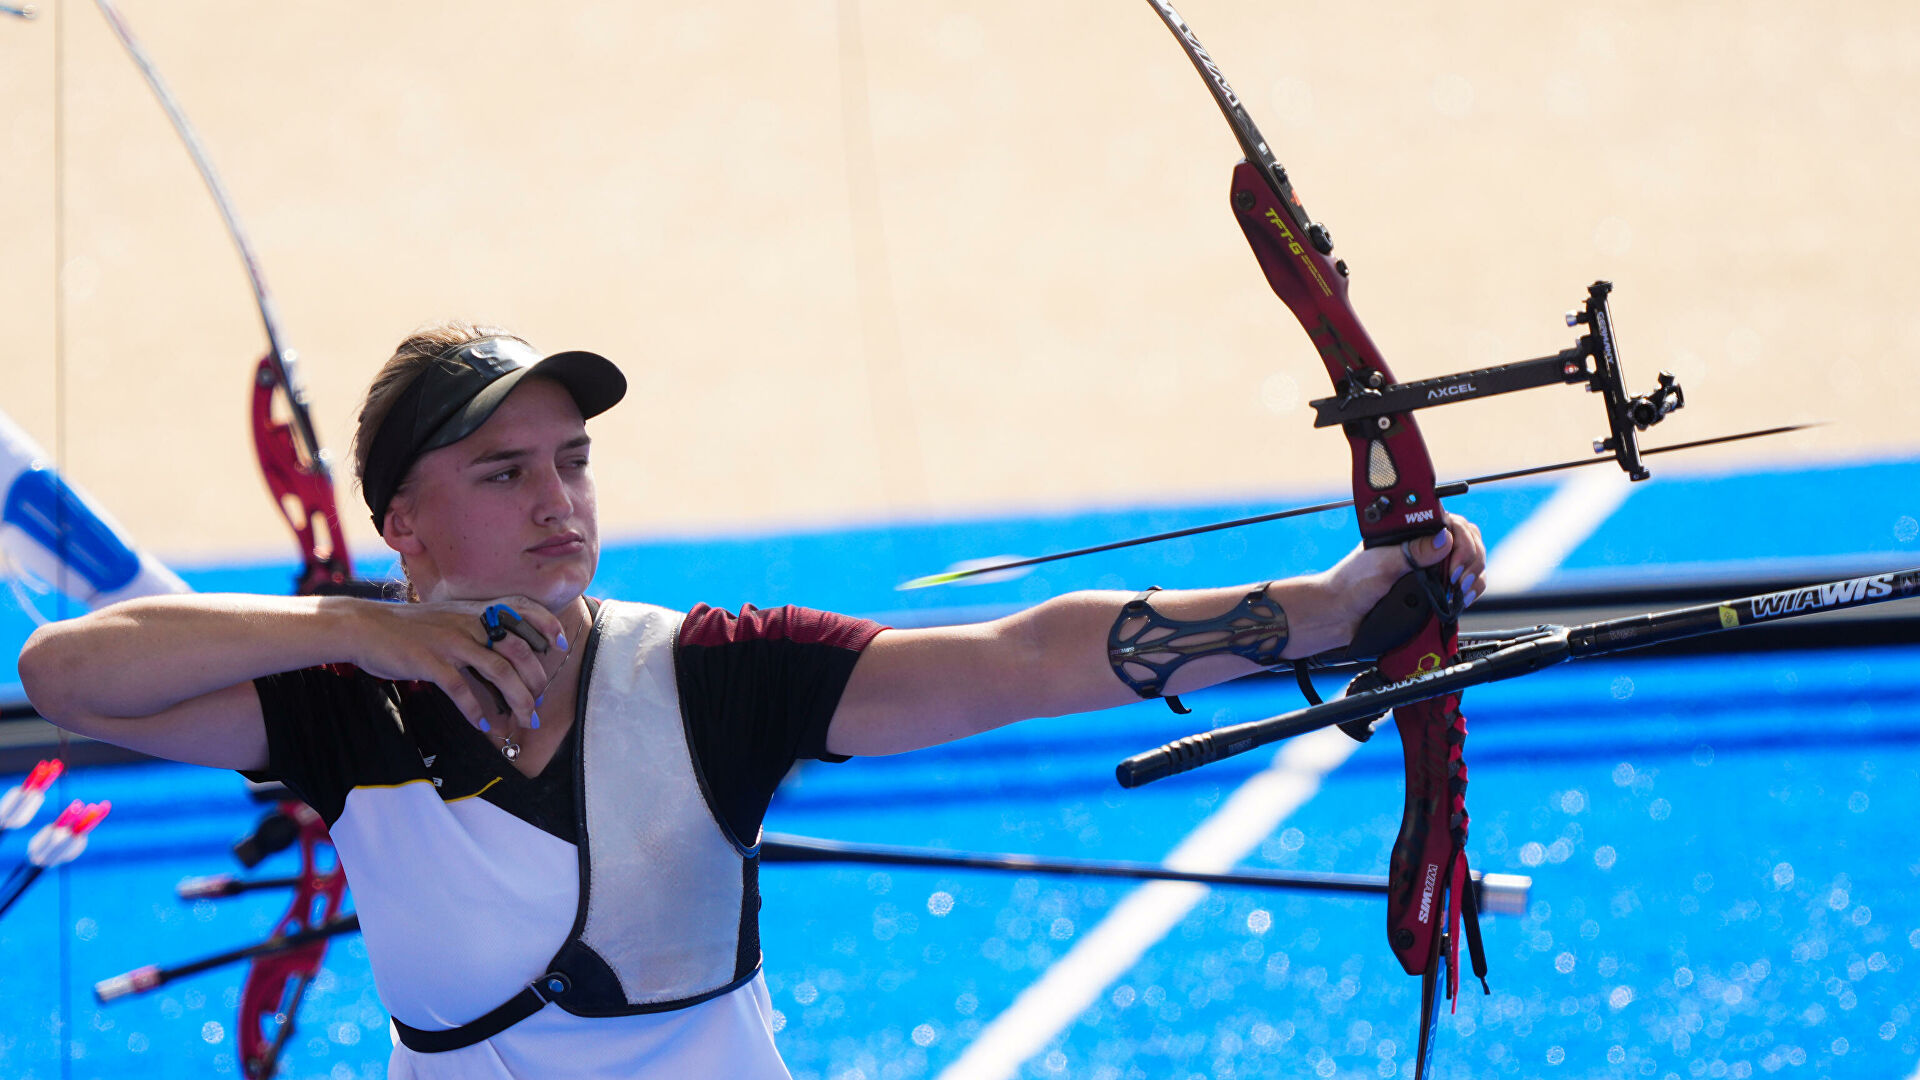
[[504, 476]]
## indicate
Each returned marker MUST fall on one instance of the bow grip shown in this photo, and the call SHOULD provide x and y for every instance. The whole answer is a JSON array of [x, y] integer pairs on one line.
[[1178, 756], [1418, 595]]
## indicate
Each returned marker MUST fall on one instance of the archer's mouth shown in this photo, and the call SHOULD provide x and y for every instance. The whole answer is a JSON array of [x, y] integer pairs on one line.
[[569, 543]]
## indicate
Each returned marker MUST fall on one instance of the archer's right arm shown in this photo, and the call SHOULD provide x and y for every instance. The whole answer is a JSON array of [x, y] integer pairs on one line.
[[173, 676]]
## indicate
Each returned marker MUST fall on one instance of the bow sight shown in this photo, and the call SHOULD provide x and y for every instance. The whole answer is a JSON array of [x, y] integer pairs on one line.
[[1366, 398]]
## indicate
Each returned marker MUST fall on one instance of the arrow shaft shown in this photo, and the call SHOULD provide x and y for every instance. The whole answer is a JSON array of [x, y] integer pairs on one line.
[[1444, 491], [777, 848]]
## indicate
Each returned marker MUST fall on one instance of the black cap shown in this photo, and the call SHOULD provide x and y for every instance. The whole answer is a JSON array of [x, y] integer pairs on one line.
[[459, 389]]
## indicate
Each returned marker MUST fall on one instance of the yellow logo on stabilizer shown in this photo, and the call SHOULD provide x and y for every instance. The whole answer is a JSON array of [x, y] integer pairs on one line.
[[1729, 618], [1429, 662]]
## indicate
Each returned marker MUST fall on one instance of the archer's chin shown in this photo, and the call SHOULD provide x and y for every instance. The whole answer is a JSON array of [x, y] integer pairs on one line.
[[557, 582]]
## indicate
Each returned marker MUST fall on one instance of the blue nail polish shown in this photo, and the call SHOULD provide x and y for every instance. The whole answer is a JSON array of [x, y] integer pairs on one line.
[[1442, 539], [1466, 583], [533, 720], [539, 701], [563, 639], [1457, 571], [484, 726]]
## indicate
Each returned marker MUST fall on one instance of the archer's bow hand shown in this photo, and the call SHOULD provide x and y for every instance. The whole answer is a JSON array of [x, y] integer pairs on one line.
[[1361, 580]]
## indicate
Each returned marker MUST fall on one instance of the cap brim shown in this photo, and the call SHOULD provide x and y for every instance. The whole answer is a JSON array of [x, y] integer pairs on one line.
[[594, 382]]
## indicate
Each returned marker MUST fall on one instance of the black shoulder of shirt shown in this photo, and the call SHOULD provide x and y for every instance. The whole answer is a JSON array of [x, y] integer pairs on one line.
[[331, 729], [335, 728], [758, 691]]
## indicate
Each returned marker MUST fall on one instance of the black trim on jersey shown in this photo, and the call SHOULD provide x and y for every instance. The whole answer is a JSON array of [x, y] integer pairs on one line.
[[592, 650], [333, 729], [747, 958], [715, 808], [551, 988], [734, 719]]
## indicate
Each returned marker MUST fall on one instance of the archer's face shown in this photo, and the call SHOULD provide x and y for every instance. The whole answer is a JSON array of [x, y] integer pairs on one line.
[[507, 510]]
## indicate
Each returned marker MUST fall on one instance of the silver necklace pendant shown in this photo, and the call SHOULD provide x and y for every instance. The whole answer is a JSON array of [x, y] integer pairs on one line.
[[510, 749]]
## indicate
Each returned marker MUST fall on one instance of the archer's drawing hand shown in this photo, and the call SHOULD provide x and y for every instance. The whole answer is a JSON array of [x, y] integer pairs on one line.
[[446, 643]]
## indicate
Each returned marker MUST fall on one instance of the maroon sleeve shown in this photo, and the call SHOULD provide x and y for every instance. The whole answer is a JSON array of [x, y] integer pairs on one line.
[[797, 625], [758, 691]]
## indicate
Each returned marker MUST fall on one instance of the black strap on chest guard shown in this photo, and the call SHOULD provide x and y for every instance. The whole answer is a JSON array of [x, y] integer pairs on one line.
[[1146, 647], [549, 987]]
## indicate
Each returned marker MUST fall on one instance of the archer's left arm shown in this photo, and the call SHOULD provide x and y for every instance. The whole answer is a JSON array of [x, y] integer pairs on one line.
[[918, 688]]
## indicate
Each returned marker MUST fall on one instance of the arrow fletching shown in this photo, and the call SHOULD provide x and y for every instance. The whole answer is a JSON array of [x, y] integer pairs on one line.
[[978, 571]]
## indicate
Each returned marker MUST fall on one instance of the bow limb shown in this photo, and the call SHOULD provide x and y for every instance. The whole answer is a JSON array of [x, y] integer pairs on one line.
[[291, 458], [301, 484], [277, 981], [1395, 500]]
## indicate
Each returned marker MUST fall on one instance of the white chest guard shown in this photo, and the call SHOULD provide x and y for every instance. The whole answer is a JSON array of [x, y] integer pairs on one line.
[[669, 903]]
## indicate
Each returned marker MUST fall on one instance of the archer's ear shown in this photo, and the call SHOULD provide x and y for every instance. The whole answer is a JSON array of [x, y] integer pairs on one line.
[[399, 533]]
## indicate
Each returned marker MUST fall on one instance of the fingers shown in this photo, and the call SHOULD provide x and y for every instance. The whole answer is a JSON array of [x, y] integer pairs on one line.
[[1460, 546], [465, 692], [515, 682], [533, 623], [528, 669], [480, 697], [493, 660], [492, 692], [1468, 558], [1428, 550], [509, 681]]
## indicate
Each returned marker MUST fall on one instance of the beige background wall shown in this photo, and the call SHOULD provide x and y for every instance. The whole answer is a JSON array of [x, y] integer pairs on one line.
[[897, 259]]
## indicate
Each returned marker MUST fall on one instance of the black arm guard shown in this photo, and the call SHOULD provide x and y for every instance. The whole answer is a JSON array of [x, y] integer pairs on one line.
[[1146, 648]]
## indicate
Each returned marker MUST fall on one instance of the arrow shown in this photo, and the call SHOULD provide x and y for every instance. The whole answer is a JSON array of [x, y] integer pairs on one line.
[[1504, 893], [961, 572]]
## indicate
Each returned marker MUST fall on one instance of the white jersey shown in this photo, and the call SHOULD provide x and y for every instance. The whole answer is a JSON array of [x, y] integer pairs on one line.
[[467, 878]]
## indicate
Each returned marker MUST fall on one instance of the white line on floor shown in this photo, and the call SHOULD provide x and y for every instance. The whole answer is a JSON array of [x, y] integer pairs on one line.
[[1248, 817], [1542, 542]]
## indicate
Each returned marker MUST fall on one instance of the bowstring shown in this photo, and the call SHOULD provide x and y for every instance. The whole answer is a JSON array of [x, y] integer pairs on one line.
[[64, 904]]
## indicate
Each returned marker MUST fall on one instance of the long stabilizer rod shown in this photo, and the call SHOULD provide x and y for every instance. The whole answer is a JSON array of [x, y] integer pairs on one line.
[[1525, 652]]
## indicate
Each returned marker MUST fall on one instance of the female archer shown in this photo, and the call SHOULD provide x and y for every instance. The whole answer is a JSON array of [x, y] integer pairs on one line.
[[544, 799]]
